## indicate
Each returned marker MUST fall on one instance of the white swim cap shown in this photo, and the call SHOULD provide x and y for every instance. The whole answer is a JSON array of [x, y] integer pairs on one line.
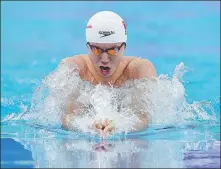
[[106, 27]]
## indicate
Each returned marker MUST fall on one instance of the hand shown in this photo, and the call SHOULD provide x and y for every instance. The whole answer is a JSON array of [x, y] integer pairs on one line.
[[104, 127]]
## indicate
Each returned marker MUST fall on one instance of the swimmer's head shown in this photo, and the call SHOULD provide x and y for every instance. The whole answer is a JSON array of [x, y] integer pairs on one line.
[[106, 27], [106, 38]]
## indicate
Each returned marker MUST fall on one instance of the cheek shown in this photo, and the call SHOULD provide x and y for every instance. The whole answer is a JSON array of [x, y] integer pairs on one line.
[[117, 60], [94, 59]]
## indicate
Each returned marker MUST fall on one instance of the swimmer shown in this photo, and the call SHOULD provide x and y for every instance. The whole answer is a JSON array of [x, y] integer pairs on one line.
[[105, 64]]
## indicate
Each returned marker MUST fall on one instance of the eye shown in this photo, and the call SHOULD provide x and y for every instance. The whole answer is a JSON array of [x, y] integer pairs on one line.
[[96, 51], [113, 51]]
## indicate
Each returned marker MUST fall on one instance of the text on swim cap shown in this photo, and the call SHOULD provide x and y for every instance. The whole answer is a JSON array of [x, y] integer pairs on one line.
[[106, 33]]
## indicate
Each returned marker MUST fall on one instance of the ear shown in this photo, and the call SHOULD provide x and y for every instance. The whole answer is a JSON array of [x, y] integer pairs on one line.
[[87, 44], [123, 47]]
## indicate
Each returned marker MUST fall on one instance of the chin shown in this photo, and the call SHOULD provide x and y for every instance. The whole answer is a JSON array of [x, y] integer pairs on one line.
[[107, 75]]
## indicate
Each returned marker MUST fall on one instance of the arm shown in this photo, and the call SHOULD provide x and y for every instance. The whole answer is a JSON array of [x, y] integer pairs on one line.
[[144, 69], [70, 111], [143, 122], [71, 108]]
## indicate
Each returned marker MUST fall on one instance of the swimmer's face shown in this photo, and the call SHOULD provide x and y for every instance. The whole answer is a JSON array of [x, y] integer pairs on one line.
[[106, 57]]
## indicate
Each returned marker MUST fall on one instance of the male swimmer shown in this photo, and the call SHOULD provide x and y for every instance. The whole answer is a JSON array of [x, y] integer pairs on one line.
[[105, 64]]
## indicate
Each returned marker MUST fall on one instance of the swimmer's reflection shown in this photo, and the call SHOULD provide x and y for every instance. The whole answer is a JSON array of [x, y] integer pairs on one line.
[[139, 153], [104, 146], [83, 153]]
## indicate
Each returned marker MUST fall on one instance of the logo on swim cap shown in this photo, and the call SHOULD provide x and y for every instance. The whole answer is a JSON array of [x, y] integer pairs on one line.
[[106, 33], [108, 24], [89, 26]]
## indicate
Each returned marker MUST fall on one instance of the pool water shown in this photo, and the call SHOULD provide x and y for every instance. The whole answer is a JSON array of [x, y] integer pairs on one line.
[[37, 35]]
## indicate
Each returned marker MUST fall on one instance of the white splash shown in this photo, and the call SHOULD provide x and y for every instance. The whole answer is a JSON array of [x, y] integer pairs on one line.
[[162, 99]]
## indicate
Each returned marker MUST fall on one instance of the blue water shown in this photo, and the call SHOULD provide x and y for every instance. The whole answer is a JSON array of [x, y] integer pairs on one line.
[[37, 35]]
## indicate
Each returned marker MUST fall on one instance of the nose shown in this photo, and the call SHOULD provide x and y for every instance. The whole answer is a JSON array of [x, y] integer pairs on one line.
[[104, 63], [105, 59]]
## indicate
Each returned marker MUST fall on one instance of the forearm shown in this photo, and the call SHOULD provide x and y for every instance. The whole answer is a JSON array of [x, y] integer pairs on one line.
[[143, 122], [70, 112], [66, 121]]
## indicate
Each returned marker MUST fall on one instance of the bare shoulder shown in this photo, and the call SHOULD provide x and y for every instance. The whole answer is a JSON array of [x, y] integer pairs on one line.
[[141, 68], [79, 60]]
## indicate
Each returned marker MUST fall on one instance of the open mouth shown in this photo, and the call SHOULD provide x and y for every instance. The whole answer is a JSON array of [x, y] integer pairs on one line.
[[105, 70]]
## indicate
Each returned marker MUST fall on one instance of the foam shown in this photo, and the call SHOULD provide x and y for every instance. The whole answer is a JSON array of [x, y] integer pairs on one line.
[[162, 99]]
